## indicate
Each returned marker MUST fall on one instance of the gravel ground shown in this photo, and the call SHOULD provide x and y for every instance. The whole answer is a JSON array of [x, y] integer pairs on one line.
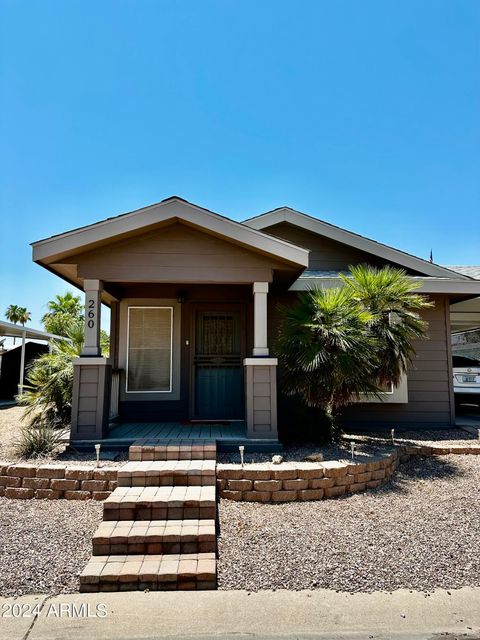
[[10, 424], [418, 531], [10, 427], [445, 437], [45, 544], [340, 451]]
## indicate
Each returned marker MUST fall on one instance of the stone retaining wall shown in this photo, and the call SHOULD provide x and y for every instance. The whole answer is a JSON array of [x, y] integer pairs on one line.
[[287, 482], [254, 483], [52, 481]]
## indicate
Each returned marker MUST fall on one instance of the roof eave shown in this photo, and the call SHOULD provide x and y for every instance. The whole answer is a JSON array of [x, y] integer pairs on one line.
[[80, 239], [320, 227]]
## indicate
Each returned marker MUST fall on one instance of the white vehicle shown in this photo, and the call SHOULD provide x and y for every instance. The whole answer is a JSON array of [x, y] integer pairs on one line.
[[466, 378]]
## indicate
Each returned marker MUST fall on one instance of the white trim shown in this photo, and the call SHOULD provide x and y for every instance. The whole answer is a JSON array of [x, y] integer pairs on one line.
[[51, 249], [319, 227], [170, 389], [93, 360], [266, 362], [398, 395], [429, 285]]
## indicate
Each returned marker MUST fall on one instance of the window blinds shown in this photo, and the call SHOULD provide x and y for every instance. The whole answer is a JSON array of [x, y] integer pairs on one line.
[[149, 365]]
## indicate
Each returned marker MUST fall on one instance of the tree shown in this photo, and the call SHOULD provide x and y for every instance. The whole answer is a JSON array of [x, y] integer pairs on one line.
[[48, 396], [17, 314], [24, 316], [68, 303], [336, 344], [12, 313], [388, 295], [48, 393]]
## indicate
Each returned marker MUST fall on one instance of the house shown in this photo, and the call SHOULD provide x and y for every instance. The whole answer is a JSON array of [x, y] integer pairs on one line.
[[194, 297]]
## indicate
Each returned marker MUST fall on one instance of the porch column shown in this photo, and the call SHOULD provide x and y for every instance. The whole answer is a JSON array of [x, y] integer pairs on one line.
[[261, 374], [260, 291], [91, 375], [93, 294]]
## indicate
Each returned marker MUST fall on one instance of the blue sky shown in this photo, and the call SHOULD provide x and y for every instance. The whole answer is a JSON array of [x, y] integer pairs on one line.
[[365, 114]]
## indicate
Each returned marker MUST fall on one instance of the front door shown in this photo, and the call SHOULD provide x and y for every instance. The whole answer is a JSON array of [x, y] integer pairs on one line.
[[217, 364]]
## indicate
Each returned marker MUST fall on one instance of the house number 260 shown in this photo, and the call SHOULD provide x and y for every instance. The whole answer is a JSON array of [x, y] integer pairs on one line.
[[91, 314]]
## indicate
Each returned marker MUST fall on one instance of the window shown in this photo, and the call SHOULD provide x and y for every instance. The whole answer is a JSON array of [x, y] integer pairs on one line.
[[149, 350], [390, 394]]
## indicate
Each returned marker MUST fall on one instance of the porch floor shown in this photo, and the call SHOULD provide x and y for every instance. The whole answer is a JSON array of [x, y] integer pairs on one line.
[[227, 436], [178, 431]]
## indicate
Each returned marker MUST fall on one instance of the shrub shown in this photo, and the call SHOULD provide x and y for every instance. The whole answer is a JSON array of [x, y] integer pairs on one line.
[[37, 441]]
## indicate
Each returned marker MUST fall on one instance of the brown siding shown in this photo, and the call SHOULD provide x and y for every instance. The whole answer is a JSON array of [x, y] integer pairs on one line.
[[176, 254], [429, 378], [195, 294], [325, 254]]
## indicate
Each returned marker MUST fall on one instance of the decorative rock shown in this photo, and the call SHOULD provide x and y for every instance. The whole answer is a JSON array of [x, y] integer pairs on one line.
[[314, 457]]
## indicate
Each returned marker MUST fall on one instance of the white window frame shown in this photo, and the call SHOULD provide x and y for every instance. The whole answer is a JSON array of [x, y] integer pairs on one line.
[[397, 395], [170, 389]]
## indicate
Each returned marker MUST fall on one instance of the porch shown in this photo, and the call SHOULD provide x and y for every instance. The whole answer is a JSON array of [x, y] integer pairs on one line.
[[227, 435]]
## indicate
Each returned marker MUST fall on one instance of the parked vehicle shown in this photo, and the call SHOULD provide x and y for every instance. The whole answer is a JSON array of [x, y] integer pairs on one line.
[[466, 379]]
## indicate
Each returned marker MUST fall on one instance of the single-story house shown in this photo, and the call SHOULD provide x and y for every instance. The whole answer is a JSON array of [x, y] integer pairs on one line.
[[194, 307]]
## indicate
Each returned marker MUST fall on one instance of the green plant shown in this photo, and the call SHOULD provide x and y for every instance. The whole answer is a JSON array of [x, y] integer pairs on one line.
[[336, 344], [37, 441], [388, 295], [16, 314], [48, 394]]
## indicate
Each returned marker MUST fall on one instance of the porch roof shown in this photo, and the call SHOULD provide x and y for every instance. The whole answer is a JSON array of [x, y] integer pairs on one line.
[[53, 252]]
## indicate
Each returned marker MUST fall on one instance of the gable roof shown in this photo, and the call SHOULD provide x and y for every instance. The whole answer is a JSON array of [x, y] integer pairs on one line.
[[53, 249], [328, 230]]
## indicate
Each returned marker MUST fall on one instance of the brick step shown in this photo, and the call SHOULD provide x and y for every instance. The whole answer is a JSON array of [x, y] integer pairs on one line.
[[145, 450], [167, 473], [160, 503], [154, 537], [154, 572]]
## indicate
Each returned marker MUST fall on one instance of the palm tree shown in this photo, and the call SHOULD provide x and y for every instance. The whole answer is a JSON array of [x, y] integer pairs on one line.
[[336, 344], [13, 314], [48, 396], [64, 312], [388, 294], [24, 316], [68, 303], [326, 352]]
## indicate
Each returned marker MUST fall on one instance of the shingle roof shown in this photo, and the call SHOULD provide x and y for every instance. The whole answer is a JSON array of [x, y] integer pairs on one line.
[[466, 270]]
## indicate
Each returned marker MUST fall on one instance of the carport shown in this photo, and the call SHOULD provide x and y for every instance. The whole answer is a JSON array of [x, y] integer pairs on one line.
[[10, 330], [465, 329]]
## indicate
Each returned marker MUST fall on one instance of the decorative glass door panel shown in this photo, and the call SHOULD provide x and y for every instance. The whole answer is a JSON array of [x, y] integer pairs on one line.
[[218, 375]]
